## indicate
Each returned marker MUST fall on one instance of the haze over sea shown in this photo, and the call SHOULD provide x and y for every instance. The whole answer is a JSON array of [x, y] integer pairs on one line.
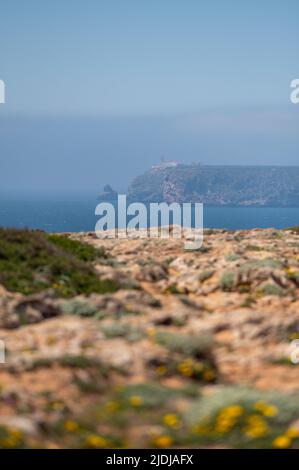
[[77, 215]]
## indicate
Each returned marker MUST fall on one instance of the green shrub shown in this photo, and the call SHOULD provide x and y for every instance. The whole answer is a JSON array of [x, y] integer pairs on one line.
[[150, 394], [227, 281], [78, 307], [271, 289], [245, 418], [205, 275], [186, 345], [31, 261], [189, 356], [294, 229], [80, 250], [122, 330], [232, 257]]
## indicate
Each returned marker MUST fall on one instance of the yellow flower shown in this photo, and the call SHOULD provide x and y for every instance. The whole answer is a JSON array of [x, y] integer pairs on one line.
[[202, 427], [13, 439], [270, 411], [294, 336], [256, 432], [161, 370], [282, 442], [111, 406], [151, 332], [186, 368], [57, 405], [97, 442], [227, 418], [8, 443], [256, 427], [209, 375], [224, 425], [71, 425], [171, 420], [16, 434], [259, 405], [234, 410], [162, 442], [189, 361], [265, 409], [136, 400], [198, 366], [290, 271], [292, 433]]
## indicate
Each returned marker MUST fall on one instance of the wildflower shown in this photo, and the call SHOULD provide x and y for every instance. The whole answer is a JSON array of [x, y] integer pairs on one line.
[[209, 375], [259, 405], [235, 410], [71, 425], [151, 332], [111, 406], [292, 433], [161, 370], [162, 442], [171, 420], [282, 442], [270, 411], [256, 427], [267, 410], [98, 442], [198, 367], [13, 439], [224, 425], [16, 434], [8, 443], [294, 335], [290, 271], [203, 427], [227, 418], [186, 367], [200, 429], [57, 405], [136, 401]]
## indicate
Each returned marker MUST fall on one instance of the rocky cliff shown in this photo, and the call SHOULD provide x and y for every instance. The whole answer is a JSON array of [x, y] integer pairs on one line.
[[219, 185]]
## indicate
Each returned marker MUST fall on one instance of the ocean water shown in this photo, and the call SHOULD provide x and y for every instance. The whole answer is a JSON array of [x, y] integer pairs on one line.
[[77, 216]]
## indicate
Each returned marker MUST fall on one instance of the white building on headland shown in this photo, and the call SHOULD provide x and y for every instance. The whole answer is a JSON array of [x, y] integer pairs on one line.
[[164, 164]]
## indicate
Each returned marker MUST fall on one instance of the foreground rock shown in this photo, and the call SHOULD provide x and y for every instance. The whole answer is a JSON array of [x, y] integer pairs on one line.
[[193, 349]]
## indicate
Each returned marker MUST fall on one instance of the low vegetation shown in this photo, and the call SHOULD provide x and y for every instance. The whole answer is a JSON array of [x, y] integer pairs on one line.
[[199, 356], [32, 261]]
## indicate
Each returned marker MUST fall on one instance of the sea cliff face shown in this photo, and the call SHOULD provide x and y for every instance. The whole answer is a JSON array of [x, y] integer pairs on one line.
[[218, 185]]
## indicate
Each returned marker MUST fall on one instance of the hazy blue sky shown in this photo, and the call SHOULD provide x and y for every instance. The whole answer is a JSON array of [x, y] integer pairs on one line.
[[98, 90]]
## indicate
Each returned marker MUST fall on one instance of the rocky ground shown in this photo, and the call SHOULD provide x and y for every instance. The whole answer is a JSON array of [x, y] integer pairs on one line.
[[192, 349]]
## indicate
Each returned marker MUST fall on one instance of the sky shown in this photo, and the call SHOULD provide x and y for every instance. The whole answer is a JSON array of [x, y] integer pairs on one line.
[[97, 91]]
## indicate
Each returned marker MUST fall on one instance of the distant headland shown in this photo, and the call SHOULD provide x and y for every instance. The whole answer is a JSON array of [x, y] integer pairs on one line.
[[245, 186]]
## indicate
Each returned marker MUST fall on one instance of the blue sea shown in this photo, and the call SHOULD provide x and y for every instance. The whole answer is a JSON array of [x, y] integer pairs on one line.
[[78, 216]]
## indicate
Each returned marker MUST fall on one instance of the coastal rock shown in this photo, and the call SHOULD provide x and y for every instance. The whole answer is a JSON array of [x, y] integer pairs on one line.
[[218, 322]]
